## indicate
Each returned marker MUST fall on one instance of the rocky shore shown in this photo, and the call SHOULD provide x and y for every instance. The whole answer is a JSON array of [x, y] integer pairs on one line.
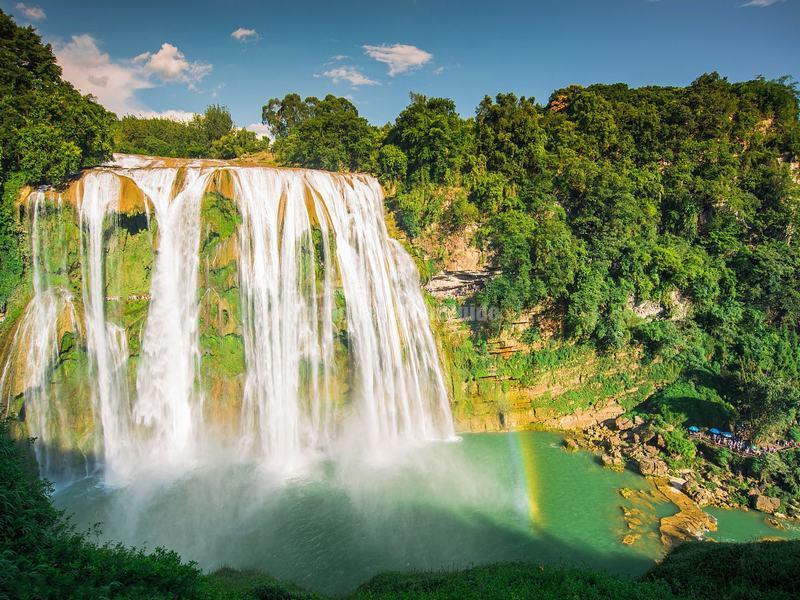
[[635, 444]]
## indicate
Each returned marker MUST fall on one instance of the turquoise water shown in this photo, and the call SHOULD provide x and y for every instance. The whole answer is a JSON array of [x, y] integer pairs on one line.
[[488, 498], [746, 526]]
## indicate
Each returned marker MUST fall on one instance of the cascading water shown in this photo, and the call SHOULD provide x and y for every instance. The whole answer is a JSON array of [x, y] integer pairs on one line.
[[335, 334], [34, 347], [166, 395], [397, 387], [105, 340]]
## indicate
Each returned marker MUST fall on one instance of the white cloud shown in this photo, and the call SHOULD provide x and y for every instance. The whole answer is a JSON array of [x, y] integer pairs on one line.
[[182, 116], [115, 82], [339, 57], [438, 71], [93, 72], [349, 74], [245, 35], [34, 13], [170, 64], [401, 58], [260, 130], [761, 3]]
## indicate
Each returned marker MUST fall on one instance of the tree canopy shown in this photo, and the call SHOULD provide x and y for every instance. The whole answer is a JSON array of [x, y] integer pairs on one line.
[[48, 130]]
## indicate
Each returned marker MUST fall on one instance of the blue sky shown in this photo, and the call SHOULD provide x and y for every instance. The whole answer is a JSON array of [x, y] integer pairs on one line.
[[147, 56]]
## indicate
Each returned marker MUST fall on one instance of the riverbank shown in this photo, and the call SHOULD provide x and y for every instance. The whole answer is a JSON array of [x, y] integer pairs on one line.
[[645, 447]]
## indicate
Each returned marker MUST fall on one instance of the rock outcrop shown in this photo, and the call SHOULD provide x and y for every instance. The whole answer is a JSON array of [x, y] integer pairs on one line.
[[653, 467], [689, 523], [765, 504]]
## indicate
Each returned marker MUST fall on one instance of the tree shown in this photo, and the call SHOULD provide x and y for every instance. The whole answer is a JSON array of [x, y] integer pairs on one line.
[[392, 163], [199, 138], [48, 131], [216, 122], [282, 115], [510, 136], [436, 140], [237, 142], [330, 135], [535, 251]]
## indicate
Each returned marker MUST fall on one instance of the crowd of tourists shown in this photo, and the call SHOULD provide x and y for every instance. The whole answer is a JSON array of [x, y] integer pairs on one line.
[[739, 445]]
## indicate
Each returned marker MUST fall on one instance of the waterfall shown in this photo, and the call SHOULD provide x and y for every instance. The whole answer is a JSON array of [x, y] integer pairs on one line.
[[334, 331], [106, 341], [166, 394]]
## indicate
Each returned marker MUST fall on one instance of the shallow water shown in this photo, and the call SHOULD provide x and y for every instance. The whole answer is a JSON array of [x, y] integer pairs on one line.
[[747, 526], [488, 498]]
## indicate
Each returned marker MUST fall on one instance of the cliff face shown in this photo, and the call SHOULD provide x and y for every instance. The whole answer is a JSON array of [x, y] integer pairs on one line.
[[515, 383], [528, 376], [524, 378]]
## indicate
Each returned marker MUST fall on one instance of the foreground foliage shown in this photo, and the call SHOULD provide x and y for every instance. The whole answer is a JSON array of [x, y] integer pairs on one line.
[[42, 556]]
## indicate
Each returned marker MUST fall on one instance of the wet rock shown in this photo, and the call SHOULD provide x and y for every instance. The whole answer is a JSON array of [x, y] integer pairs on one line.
[[626, 493], [613, 461], [630, 539], [634, 517], [765, 504], [689, 523], [571, 444], [777, 524], [677, 482]]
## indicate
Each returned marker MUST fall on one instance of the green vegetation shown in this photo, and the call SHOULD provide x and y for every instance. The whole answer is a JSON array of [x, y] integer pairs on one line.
[[510, 580], [758, 571], [321, 134], [41, 556], [47, 131], [710, 570], [210, 135], [603, 200]]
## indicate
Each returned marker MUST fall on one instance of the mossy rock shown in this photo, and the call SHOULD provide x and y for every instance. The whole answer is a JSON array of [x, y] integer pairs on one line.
[[222, 355], [129, 258]]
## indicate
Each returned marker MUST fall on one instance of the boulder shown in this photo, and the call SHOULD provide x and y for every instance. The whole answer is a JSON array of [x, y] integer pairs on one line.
[[612, 461], [765, 504], [653, 467], [652, 450], [623, 423], [570, 444], [703, 496]]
